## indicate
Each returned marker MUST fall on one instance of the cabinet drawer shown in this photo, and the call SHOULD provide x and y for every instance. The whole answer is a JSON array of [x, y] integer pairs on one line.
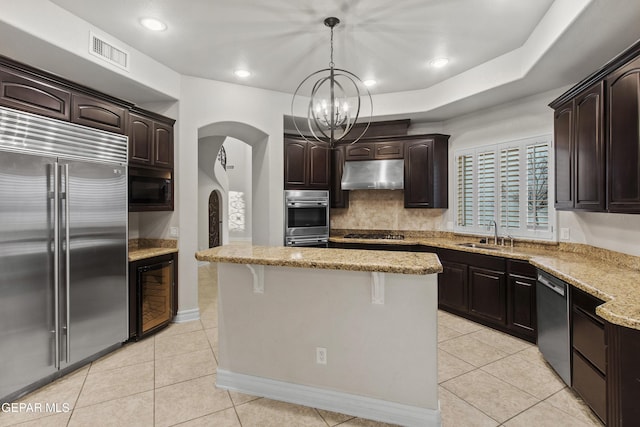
[[588, 339], [590, 384], [521, 268]]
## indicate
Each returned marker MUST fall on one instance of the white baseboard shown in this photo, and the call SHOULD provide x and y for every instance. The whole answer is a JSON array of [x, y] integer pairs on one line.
[[187, 315], [329, 400]]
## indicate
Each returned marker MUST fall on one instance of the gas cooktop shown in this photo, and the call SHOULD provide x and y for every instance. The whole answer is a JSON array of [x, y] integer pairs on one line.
[[376, 236]]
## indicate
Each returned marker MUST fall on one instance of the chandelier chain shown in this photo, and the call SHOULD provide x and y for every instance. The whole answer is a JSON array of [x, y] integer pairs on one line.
[[331, 64]]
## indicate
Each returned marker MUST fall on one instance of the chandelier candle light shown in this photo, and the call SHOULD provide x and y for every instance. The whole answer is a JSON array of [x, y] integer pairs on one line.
[[334, 100]]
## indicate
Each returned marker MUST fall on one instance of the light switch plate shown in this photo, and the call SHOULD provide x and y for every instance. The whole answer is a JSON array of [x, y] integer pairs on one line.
[[564, 234], [174, 231]]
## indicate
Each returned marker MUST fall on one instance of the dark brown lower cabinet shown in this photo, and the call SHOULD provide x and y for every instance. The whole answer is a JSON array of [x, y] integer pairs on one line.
[[452, 286], [623, 375], [152, 294], [521, 298], [487, 294]]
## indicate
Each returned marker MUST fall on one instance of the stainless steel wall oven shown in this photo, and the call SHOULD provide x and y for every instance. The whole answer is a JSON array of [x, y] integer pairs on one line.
[[306, 218]]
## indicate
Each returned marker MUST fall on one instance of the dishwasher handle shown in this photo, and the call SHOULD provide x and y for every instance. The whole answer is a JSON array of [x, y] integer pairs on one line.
[[557, 288]]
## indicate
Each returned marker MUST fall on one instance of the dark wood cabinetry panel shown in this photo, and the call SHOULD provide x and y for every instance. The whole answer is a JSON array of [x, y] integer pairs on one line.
[[623, 375], [339, 198], [579, 151], [34, 95], [306, 165], [589, 164], [359, 151], [140, 140], [487, 294], [563, 139], [590, 384], [452, 286], [521, 305], [162, 145], [426, 172], [623, 87], [319, 160], [94, 112], [389, 150], [150, 141]]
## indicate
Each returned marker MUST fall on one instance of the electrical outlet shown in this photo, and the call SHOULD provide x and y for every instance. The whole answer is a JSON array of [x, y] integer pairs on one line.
[[174, 231], [564, 234], [321, 355]]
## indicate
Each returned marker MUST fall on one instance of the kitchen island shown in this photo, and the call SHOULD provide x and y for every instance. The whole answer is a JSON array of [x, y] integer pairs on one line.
[[347, 331]]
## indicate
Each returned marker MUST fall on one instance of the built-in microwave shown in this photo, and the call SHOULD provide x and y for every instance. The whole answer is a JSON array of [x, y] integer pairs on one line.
[[150, 190], [306, 217]]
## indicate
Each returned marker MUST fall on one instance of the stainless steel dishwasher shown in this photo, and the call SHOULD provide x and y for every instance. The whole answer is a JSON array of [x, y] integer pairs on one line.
[[554, 339]]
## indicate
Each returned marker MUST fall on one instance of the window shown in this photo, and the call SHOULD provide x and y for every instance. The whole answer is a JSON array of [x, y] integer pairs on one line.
[[508, 183]]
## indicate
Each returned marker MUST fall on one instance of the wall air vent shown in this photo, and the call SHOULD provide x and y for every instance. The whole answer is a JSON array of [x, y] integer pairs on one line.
[[108, 52]]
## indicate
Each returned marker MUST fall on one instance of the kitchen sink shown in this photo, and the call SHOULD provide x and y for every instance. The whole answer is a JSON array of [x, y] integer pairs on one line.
[[479, 246]]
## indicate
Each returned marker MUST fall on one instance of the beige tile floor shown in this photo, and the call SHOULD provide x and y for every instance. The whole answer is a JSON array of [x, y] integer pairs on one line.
[[486, 379]]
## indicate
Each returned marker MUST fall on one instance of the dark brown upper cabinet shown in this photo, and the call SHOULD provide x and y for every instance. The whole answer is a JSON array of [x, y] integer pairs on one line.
[[623, 87], [96, 113], [597, 139], [579, 151], [150, 140], [374, 150], [29, 93], [426, 172], [306, 165]]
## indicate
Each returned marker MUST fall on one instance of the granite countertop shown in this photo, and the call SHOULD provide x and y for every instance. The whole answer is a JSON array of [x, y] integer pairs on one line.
[[149, 248], [326, 258], [610, 276]]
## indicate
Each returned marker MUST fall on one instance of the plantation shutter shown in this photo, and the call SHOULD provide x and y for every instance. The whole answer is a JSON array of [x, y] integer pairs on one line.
[[510, 188], [465, 190], [486, 187]]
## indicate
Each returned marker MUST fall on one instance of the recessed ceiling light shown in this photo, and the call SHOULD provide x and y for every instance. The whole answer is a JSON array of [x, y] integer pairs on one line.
[[369, 82], [439, 62], [153, 24], [243, 74]]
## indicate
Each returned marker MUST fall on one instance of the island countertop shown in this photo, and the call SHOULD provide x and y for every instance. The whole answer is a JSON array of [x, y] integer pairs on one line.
[[326, 258]]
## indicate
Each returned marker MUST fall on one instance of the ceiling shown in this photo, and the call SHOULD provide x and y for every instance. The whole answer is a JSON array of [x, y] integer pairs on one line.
[[391, 41]]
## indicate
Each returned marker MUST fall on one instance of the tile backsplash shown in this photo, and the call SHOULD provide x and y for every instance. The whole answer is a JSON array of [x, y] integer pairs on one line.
[[384, 210]]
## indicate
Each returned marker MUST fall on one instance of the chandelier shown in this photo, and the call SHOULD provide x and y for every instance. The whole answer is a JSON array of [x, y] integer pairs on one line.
[[334, 99]]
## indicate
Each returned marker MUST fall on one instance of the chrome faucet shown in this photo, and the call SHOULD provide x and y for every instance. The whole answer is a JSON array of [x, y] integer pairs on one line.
[[495, 231]]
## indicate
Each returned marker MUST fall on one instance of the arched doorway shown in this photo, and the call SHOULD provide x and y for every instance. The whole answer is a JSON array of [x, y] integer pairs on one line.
[[215, 219]]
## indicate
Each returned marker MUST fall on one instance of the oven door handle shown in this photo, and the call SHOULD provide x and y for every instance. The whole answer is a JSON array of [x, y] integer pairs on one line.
[[306, 204]]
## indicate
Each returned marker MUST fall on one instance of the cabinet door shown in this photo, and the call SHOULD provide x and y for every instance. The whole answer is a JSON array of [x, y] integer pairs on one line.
[[339, 197], [418, 183], [318, 158], [90, 111], [452, 286], [624, 138], [140, 140], [26, 93], [389, 150], [521, 304], [487, 294], [563, 139], [588, 151], [295, 169], [360, 151], [162, 145]]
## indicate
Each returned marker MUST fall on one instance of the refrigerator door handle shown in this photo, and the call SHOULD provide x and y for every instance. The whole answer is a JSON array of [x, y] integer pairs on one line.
[[67, 264], [56, 261]]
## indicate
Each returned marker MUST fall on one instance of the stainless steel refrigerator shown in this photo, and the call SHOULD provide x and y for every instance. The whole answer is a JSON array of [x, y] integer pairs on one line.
[[63, 248]]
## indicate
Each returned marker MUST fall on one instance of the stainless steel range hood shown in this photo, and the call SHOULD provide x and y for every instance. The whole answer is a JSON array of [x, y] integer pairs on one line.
[[373, 175]]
